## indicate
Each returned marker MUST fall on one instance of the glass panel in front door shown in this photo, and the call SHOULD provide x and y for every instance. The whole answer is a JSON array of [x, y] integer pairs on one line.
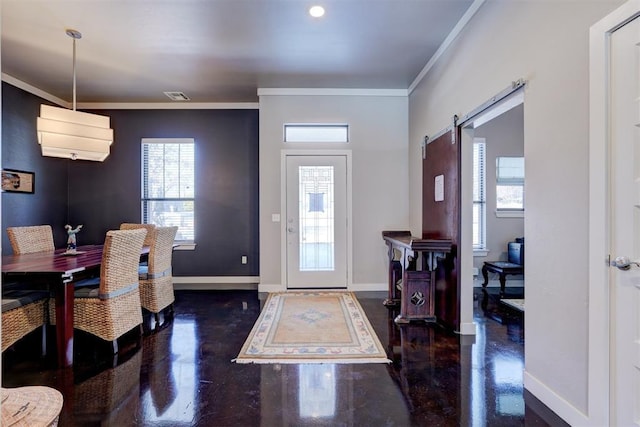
[[316, 218]]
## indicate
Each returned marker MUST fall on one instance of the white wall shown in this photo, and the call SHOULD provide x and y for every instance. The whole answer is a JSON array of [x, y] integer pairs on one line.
[[378, 140], [546, 43]]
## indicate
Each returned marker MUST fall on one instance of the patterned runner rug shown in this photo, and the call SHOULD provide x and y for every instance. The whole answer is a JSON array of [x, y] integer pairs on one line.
[[312, 327]]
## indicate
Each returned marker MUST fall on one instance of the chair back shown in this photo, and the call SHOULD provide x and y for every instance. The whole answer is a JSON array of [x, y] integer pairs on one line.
[[134, 226], [30, 239], [161, 251], [120, 259], [515, 253]]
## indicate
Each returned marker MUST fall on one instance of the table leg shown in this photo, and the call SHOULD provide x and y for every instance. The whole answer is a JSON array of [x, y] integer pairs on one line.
[[395, 273], [394, 266], [503, 283], [485, 276], [64, 323]]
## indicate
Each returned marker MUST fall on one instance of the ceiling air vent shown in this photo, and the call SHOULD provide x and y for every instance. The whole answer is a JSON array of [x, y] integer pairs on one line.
[[177, 96]]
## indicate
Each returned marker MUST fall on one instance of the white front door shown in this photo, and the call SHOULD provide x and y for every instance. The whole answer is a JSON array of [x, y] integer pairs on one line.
[[316, 221], [625, 224]]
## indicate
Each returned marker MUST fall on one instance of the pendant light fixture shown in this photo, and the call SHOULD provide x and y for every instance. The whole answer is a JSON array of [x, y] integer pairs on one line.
[[74, 134]]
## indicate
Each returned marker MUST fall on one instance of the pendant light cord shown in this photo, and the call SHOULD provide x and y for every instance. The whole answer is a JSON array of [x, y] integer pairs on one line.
[[75, 35], [74, 73]]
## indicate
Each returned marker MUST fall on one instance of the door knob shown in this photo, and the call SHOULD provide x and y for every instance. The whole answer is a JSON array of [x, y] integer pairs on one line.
[[624, 263], [291, 230]]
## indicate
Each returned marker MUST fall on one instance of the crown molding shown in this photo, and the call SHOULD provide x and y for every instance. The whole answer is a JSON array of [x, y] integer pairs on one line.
[[130, 105], [447, 42], [34, 90], [330, 92], [178, 105]]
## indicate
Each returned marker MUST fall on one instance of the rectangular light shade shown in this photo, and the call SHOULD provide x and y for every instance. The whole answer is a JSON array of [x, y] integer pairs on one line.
[[73, 134]]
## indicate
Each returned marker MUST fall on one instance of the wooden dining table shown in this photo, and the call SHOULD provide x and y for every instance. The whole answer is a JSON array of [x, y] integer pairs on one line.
[[60, 271]]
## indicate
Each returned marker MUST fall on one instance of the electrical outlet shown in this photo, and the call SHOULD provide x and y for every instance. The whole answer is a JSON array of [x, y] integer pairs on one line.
[[244, 259]]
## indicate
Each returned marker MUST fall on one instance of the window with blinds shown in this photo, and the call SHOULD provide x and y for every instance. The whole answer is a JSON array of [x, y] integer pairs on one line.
[[479, 194], [510, 183], [168, 190]]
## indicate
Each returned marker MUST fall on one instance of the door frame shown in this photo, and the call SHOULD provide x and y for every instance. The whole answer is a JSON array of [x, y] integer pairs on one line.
[[599, 345], [467, 133], [283, 207]]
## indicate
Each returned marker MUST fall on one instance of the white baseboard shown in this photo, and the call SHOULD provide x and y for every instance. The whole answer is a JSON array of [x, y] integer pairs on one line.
[[467, 328], [215, 282], [355, 287], [275, 287], [366, 287], [216, 279], [215, 286], [251, 282], [555, 402], [515, 283]]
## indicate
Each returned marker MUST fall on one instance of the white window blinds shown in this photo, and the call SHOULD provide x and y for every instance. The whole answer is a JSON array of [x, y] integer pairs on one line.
[[510, 183], [168, 184], [479, 194]]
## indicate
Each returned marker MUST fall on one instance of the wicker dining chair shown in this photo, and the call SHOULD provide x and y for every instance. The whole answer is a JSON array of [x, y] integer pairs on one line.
[[113, 308], [25, 306], [30, 239], [23, 311], [156, 279], [133, 226]]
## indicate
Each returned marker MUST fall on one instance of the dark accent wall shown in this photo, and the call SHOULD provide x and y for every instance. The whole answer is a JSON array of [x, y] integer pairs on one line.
[[103, 195], [20, 150]]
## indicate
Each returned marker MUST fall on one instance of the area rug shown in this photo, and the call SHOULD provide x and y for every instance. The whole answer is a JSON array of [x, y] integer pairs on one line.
[[312, 327], [518, 304]]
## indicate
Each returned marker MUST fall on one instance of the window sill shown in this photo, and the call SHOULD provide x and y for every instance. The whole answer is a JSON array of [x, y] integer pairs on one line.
[[509, 214], [480, 252], [185, 246]]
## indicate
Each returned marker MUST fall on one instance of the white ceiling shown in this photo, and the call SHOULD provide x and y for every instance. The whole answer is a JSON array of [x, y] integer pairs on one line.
[[219, 50]]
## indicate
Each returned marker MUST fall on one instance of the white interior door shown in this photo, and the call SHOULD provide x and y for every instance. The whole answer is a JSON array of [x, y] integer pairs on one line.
[[625, 223], [316, 221]]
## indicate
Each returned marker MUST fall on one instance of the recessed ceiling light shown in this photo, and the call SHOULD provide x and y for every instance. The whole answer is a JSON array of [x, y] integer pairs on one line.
[[316, 11]]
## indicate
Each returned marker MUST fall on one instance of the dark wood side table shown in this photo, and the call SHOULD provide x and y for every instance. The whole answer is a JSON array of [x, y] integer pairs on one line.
[[416, 289], [503, 268]]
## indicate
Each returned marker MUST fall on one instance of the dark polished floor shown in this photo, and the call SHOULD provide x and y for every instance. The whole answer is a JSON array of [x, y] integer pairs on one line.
[[183, 375]]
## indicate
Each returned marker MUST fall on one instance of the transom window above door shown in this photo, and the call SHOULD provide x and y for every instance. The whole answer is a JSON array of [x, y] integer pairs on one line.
[[298, 132]]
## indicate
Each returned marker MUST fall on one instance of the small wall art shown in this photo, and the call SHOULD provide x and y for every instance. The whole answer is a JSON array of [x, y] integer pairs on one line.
[[17, 181]]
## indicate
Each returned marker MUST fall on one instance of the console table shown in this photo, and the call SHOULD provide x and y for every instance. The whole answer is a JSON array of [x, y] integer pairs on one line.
[[410, 287]]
